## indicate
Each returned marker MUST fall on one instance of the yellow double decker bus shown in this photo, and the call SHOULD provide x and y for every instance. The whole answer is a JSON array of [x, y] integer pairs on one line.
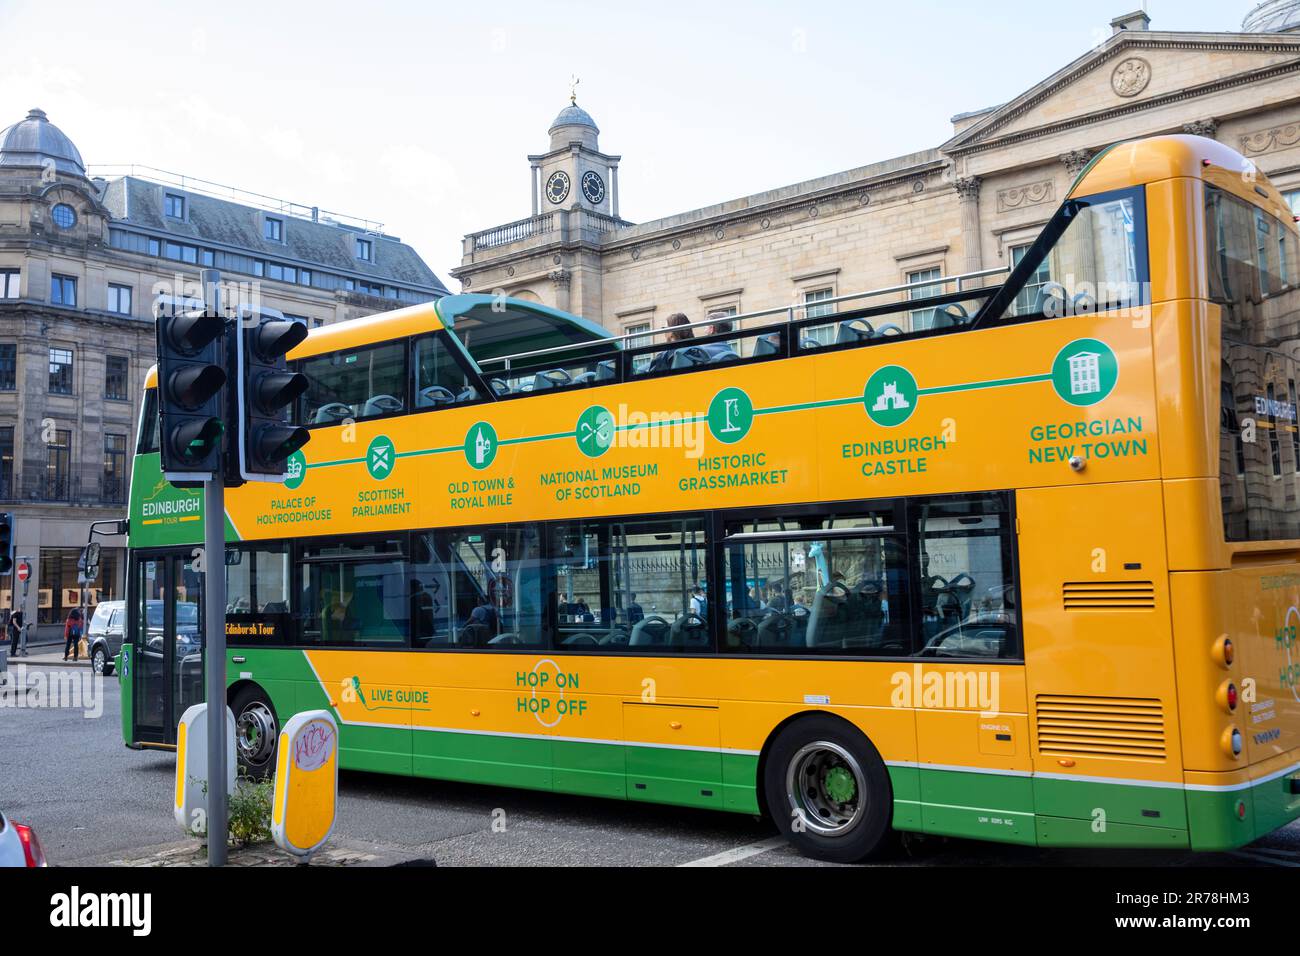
[[1015, 562]]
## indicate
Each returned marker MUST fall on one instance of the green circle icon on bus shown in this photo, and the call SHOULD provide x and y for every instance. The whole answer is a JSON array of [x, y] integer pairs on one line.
[[295, 470], [890, 395], [381, 456], [731, 415], [595, 431], [481, 445], [1085, 372]]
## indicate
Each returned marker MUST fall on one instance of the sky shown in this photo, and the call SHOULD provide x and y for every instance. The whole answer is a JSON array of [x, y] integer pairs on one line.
[[421, 115]]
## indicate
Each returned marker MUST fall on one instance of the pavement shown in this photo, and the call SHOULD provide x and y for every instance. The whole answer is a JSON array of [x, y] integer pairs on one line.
[[65, 771]]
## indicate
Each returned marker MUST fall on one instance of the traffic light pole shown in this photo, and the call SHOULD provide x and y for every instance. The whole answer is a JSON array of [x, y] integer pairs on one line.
[[214, 627]]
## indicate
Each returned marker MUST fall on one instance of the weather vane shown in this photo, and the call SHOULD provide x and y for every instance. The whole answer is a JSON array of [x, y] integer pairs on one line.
[[573, 89]]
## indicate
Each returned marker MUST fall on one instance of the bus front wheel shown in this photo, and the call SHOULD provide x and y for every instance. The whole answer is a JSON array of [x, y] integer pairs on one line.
[[828, 790], [256, 732]]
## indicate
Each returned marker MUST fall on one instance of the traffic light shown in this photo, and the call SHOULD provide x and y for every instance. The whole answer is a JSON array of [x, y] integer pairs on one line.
[[267, 389], [6, 543], [191, 374]]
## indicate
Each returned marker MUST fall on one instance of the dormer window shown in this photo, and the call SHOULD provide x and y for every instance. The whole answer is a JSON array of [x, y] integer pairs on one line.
[[365, 250], [174, 206], [273, 229]]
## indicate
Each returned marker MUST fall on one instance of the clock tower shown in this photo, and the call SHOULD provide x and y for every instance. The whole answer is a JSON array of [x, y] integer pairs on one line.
[[574, 173]]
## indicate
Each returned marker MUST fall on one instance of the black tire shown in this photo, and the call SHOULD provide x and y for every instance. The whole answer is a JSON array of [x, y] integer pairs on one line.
[[255, 739], [825, 755], [100, 662]]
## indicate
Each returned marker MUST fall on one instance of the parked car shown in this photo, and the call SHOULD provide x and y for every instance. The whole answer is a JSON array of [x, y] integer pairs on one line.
[[18, 845], [105, 634]]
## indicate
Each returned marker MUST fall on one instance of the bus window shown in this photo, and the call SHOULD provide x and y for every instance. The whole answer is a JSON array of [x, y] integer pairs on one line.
[[147, 438], [257, 592], [439, 378], [965, 582], [580, 561], [353, 592], [499, 592], [825, 585], [431, 592], [357, 384], [1090, 258], [1259, 457]]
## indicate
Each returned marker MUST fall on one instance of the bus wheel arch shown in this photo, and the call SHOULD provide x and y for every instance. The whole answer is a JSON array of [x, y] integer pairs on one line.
[[257, 728], [826, 788]]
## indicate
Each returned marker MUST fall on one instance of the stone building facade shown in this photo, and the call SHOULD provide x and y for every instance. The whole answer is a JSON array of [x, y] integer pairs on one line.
[[82, 261], [968, 205]]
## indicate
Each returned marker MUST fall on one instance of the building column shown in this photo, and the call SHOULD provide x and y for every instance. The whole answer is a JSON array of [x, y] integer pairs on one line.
[[968, 194], [613, 190], [534, 172], [1075, 160], [560, 278]]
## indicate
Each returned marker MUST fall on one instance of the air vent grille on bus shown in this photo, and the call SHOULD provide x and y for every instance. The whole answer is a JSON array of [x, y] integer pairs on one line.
[[1100, 726], [1109, 595]]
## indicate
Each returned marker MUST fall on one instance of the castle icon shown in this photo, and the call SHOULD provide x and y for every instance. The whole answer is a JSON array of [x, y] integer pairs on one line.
[[482, 447], [1085, 373], [890, 399]]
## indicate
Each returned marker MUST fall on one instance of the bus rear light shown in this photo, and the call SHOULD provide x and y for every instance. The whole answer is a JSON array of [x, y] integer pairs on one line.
[[1226, 696], [1241, 809], [1223, 651], [1231, 742]]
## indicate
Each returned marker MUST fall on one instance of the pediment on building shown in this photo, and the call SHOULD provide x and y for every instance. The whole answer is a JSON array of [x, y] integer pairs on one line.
[[1134, 72]]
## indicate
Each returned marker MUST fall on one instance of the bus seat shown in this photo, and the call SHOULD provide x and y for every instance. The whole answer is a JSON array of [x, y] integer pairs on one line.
[[381, 405], [689, 356], [1085, 303], [433, 396], [467, 394], [689, 632], [652, 631], [889, 329], [499, 386], [509, 637], [949, 316], [584, 378], [854, 330], [720, 352], [551, 378], [1050, 300], [807, 342], [768, 344], [332, 412], [605, 371]]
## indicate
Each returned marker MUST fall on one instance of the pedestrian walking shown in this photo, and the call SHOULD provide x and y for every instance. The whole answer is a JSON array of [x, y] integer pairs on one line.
[[15, 632], [72, 634]]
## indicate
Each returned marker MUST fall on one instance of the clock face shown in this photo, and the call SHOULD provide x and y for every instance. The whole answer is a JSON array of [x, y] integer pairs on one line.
[[557, 187], [593, 187]]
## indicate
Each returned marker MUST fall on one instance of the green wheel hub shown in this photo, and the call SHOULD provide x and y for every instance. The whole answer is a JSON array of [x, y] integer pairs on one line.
[[840, 785]]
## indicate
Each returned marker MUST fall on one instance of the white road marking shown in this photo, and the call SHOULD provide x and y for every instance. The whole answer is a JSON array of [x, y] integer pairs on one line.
[[727, 857], [1260, 858]]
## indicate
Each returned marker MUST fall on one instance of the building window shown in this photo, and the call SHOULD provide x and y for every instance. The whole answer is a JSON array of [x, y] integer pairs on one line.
[[115, 377], [1292, 198], [174, 206], [8, 367], [114, 488], [7, 489], [816, 306], [63, 215], [181, 252], [273, 229], [209, 258], [1027, 301], [9, 281], [304, 276], [365, 250], [119, 299], [923, 318], [155, 247], [63, 290], [58, 465], [61, 371]]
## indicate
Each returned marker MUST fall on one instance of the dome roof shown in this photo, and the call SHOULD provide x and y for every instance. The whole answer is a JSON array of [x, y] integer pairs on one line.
[[36, 142], [1273, 16], [574, 115]]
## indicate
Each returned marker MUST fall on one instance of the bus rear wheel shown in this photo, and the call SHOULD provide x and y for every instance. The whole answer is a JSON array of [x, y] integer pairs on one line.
[[828, 790], [256, 732]]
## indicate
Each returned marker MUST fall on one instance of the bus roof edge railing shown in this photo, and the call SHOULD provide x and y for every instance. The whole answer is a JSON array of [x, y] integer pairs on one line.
[[789, 311]]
